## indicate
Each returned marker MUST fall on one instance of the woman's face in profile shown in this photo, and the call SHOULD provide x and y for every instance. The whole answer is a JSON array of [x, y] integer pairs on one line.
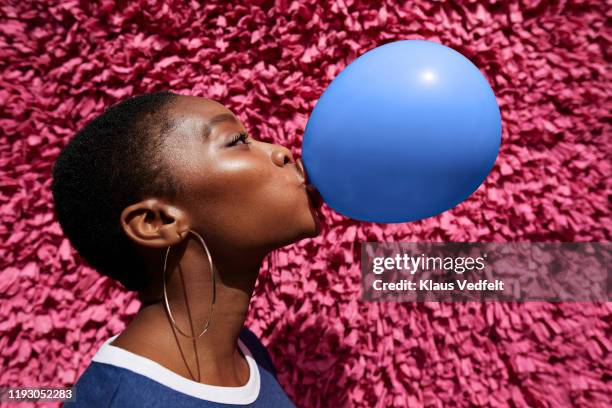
[[238, 192]]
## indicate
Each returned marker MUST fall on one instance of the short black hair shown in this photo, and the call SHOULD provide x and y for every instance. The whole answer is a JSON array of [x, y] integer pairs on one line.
[[112, 162]]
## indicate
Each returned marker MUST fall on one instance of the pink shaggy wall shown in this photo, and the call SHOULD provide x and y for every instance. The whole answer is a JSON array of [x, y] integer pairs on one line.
[[61, 63]]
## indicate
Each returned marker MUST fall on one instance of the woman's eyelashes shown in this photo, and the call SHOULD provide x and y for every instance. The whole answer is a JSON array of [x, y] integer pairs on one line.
[[242, 136]]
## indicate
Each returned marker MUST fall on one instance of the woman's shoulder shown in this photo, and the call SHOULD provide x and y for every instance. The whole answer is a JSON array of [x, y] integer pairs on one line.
[[259, 351], [112, 376], [97, 386]]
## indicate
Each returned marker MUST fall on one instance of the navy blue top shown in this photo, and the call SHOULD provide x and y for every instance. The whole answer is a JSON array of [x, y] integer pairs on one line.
[[119, 378]]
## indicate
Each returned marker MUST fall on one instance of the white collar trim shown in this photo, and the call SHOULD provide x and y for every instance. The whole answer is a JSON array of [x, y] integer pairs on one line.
[[245, 394]]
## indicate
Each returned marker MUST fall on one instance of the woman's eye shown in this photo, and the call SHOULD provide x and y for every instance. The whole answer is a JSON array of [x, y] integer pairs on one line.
[[240, 137]]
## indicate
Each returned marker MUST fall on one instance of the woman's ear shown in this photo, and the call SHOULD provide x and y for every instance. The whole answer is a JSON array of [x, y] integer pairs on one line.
[[154, 224]]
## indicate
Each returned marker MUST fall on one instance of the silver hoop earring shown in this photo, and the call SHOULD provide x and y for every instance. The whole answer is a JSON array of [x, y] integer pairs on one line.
[[167, 304]]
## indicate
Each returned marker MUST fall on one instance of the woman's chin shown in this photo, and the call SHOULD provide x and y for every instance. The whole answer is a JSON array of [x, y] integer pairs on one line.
[[316, 223], [310, 222], [316, 216], [312, 227], [318, 227]]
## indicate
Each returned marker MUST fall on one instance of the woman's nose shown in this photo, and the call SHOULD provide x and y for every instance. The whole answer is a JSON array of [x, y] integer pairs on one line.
[[281, 156]]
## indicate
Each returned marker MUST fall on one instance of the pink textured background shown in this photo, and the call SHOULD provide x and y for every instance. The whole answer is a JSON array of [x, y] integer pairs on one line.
[[61, 63]]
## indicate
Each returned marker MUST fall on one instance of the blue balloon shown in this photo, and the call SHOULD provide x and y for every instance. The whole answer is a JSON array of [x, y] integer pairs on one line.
[[406, 131]]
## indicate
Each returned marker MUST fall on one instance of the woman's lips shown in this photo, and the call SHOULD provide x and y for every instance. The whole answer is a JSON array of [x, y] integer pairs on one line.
[[311, 190], [301, 172]]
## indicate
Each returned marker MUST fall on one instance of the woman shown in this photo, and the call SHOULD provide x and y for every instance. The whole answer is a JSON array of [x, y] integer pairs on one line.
[[154, 192]]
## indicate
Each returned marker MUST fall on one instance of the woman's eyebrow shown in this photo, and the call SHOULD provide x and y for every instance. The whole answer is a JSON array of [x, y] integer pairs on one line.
[[222, 117]]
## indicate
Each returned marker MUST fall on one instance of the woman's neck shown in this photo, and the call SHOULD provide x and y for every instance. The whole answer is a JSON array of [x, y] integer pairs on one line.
[[189, 290]]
